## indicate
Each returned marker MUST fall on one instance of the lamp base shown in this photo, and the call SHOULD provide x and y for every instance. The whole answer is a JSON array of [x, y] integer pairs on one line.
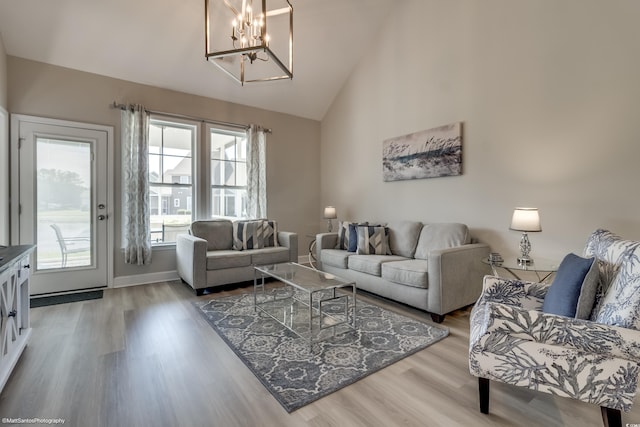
[[525, 248]]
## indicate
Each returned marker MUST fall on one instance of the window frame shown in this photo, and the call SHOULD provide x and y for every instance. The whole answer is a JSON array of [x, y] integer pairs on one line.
[[207, 158], [195, 128], [201, 157]]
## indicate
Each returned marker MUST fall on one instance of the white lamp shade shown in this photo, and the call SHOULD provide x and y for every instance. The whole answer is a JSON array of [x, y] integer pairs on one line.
[[525, 219], [330, 212]]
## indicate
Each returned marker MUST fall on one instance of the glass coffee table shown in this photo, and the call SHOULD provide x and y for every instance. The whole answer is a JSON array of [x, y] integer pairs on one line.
[[307, 304]]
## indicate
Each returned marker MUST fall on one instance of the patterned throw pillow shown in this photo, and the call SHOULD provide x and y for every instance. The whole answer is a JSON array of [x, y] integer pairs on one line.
[[619, 263], [248, 235], [270, 233], [373, 240], [343, 235]]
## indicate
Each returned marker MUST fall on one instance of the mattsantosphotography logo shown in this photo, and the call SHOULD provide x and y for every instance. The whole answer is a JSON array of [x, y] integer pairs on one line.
[[8, 420]]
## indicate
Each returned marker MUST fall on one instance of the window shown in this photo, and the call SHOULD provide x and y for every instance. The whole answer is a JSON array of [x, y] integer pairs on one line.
[[192, 178], [171, 147], [228, 168]]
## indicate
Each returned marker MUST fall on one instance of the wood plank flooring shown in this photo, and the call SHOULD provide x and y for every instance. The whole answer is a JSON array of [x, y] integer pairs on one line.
[[143, 356]]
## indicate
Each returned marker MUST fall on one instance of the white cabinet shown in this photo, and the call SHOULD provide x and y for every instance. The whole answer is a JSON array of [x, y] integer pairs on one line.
[[14, 307]]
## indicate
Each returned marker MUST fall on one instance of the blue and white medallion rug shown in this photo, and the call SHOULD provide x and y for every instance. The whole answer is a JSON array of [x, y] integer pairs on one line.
[[296, 376]]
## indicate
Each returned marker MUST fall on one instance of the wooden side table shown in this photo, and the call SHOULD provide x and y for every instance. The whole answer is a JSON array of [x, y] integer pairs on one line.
[[543, 268]]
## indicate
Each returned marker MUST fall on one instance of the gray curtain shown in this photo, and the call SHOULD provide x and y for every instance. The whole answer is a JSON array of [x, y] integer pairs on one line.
[[256, 172], [135, 185]]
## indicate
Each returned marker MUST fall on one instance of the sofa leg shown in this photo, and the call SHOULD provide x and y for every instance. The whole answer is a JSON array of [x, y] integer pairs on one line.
[[611, 417], [483, 390], [438, 318]]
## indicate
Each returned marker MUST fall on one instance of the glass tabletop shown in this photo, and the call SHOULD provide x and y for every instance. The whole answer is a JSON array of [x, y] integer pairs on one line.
[[538, 264], [303, 277]]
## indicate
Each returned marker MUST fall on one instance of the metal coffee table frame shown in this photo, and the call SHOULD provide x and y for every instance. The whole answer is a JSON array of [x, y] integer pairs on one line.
[[284, 306]]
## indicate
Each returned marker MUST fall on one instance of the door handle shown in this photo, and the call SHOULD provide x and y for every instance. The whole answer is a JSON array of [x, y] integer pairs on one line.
[[102, 217]]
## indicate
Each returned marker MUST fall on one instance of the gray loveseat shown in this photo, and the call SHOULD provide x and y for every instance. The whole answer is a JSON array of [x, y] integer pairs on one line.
[[207, 258], [433, 267]]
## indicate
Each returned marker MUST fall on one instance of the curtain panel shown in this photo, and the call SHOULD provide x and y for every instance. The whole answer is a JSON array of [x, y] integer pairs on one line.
[[256, 172], [135, 185]]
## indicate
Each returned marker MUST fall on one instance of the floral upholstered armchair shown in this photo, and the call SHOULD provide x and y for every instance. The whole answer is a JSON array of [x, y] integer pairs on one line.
[[517, 339]]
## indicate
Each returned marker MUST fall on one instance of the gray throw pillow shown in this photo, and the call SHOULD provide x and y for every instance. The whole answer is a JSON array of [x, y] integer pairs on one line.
[[587, 298]]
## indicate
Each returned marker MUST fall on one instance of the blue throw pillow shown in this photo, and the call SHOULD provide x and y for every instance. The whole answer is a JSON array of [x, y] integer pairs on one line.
[[353, 238], [564, 293]]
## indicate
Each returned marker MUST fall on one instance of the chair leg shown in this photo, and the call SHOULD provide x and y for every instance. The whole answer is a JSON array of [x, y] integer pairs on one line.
[[611, 417], [483, 389]]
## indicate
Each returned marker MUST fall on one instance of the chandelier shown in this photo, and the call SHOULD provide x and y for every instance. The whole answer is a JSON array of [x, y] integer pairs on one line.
[[249, 42]]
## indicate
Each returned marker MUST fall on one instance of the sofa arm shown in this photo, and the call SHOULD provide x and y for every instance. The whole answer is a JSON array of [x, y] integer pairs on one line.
[[519, 293], [455, 276], [191, 260], [324, 241], [289, 240], [567, 332]]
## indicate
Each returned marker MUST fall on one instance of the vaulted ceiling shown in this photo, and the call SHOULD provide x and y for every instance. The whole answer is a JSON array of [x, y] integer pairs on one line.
[[161, 43]]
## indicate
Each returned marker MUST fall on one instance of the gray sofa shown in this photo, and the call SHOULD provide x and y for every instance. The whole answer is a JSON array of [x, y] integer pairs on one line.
[[207, 258], [433, 267]]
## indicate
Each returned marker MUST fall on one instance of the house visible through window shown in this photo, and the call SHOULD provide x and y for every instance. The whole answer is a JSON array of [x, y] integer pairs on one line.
[[171, 147]]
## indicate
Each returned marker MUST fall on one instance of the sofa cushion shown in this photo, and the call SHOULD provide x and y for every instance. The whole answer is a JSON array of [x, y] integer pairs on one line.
[[271, 255], [335, 257], [218, 233], [371, 264], [217, 260], [441, 236], [403, 237], [412, 272], [619, 262], [576, 278], [373, 240]]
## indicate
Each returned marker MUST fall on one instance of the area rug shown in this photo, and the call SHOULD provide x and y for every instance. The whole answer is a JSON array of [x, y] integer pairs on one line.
[[296, 376]]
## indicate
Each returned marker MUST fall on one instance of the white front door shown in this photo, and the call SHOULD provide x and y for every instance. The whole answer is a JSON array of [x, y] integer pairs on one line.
[[60, 180]]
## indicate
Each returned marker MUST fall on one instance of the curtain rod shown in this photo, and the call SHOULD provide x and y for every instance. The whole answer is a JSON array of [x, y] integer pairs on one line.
[[115, 105]]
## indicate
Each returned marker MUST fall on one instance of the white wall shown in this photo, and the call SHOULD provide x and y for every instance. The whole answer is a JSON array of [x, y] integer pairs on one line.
[[292, 149], [549, 97], [4, 149], [3, 75]]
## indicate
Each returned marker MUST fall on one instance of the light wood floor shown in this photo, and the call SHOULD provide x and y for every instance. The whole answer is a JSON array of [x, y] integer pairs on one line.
[[143, 356]]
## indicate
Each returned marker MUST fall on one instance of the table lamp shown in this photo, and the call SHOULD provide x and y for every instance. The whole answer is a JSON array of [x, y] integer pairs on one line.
[[526, 220], [329, 214]]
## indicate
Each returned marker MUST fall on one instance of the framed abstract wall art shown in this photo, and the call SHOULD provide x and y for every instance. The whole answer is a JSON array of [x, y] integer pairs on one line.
[[429, 153]]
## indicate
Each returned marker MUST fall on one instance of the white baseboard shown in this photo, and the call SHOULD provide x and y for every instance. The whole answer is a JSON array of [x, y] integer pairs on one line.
[[143, 279]]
